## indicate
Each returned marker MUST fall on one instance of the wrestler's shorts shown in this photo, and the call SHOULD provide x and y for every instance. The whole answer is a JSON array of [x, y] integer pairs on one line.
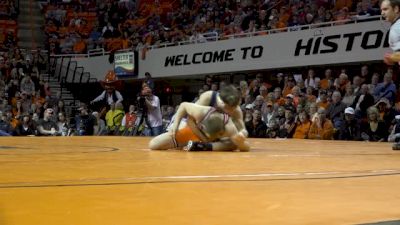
[[184, 135]]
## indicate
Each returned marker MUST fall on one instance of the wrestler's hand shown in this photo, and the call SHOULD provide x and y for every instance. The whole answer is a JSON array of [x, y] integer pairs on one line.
[[172, 131], [387, 59], [238, 138]]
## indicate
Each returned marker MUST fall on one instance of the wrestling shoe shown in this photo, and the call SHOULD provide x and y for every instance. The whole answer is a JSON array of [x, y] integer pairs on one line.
[[194, 146]]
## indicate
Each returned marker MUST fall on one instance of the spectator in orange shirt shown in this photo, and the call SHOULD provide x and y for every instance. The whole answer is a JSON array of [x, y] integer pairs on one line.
[[327, 82], [278, 96], [321, 128], [79, 46], [322, 101], [303, 126], [290, 83], [310, 95]]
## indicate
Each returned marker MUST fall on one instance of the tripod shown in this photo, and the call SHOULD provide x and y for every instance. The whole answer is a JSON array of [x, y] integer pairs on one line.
[[141, 117]]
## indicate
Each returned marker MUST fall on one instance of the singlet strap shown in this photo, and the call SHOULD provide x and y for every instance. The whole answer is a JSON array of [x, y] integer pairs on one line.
[[213, 100], [226, 118], [210, 111]]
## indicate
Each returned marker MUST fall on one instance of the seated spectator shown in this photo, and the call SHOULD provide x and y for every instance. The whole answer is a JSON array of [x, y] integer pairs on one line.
[[129, 121], [5, 125], [311, 79], [350, 128], [290, 83], [386, 112], [79, 45], [280, 116], [327, 82], [321, 127], [197, 37], [273, 129], [362, 102], [94, 40], [60, 107], [268, 114], [289, 103], [84, 123], [108, 30], [63, 125], [322, 101], [374, 83], [26, 127], [47, 126], [256, 127], [114, 118], [349, 96], [257, 104], [341, 83], [335, 110], [303, 125], [17, 110], [374, 129], [100, 127], [286, 130], [310, 97], [386, 89], [279, 99], [356, 85], [366, 10], [67, 44], [27, 86]]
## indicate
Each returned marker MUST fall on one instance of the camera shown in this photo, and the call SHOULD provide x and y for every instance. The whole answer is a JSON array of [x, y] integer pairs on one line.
[[141, 103]]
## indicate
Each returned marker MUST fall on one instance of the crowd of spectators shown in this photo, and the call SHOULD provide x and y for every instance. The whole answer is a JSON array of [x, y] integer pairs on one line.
[[8, 24], [24, 94], [327, 106], [333, 104], [79, 26]]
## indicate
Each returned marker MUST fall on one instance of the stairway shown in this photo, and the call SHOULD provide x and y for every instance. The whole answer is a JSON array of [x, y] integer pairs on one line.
[[66, 95], [30, 25]]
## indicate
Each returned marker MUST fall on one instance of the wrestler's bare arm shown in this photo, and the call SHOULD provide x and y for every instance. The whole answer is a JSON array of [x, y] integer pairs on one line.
[[197, 112], [236, 137], [237, 117], [204, 98], [193, 126]]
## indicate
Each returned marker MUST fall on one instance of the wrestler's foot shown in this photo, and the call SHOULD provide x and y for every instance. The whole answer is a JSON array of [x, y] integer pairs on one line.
[[198, 146]]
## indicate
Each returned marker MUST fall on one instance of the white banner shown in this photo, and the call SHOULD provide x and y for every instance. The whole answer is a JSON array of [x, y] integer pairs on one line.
[[360, 42]]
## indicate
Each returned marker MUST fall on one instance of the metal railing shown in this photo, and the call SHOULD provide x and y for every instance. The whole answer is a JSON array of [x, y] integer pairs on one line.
[[354, 19], [214, 36]]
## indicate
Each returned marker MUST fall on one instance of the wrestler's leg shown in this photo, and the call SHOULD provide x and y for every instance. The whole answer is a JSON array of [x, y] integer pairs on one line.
[[162, 142]]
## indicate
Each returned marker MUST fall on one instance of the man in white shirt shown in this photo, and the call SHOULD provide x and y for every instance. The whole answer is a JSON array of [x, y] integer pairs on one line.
[[154, 116]]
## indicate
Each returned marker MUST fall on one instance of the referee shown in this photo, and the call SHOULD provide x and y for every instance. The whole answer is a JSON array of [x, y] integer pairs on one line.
[[390, 10]]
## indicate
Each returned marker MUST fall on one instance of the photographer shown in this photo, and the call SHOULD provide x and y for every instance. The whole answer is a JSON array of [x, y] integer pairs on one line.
[[151, 112]]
